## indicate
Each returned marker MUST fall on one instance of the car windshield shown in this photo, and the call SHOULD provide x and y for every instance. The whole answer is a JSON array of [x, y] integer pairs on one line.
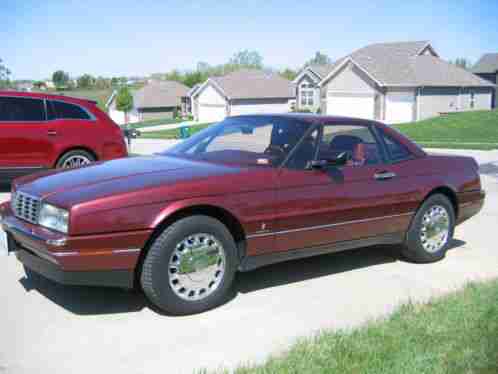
[[252, 141]]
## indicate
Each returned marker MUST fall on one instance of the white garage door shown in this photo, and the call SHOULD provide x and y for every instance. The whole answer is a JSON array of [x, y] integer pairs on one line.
[[399, 107], [241, 109], [351, 105], [211, 113]]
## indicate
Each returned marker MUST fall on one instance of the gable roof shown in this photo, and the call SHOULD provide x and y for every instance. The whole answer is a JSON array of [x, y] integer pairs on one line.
[[160, 94], [488, 63], [193, 90], [316, 72], [252, 84], [410, 64]]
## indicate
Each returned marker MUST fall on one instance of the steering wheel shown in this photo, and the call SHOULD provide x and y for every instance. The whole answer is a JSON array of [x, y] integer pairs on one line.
[[275, 150]]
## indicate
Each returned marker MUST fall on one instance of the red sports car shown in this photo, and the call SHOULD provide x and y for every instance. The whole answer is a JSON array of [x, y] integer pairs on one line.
[[42, 131], [244, 193]]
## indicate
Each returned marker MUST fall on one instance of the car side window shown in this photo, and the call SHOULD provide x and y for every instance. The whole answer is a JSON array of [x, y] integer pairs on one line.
[[357, 141], [62, 110], [305, 152], [20, 109], [397, 151]]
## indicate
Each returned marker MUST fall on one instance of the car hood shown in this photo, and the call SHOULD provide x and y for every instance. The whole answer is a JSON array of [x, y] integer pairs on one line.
[[135, 174]]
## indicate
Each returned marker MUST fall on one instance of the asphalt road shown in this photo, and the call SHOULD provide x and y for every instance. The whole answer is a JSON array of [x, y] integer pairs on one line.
[[47, 328]]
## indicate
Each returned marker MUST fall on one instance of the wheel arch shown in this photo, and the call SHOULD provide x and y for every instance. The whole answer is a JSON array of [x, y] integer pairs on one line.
[[75, 148], [449, 193], [226, 217]]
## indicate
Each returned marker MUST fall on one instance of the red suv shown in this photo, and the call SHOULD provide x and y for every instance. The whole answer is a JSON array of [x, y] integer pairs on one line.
[[41, 131]]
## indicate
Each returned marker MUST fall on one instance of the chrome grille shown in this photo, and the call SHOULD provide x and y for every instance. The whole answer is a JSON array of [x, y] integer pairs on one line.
[[26, 207]]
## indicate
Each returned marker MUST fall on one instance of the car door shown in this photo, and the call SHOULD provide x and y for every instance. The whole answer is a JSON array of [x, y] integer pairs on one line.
[[361, 199], [25, 141]]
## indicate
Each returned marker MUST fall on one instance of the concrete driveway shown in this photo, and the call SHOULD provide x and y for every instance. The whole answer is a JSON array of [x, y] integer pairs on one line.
[[47, 328]]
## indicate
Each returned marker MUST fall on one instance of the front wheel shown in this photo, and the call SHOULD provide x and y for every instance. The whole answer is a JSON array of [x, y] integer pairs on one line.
[[74, 159], [190, 267], [431, 231]]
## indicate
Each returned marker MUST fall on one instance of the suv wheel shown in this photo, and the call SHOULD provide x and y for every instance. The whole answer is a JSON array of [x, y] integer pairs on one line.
[[190, 267], [74, 159], [431, 231]]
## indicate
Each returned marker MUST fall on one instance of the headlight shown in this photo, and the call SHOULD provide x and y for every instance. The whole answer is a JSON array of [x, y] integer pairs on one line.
[[54, 218]]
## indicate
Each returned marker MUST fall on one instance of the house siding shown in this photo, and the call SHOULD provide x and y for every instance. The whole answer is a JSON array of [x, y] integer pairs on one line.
[[208, 97], [434, 101], [257, 106], [316, 94], [157, 113], [493, 78], [350, 80]]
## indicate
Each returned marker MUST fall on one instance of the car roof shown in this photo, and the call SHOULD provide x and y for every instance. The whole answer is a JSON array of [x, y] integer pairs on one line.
[[48, 96], [311, 118]]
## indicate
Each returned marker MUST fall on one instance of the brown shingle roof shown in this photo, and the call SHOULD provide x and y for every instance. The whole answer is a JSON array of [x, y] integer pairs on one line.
[[254, 84], [488, 63], [400, 63], [160, 94]]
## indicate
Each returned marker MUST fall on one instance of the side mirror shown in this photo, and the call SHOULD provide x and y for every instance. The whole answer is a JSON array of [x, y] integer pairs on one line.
[[340, 160]]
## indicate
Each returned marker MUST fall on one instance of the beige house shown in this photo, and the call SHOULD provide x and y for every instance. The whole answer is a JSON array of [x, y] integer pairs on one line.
[[242, 92], [157, 99], [393, 83]]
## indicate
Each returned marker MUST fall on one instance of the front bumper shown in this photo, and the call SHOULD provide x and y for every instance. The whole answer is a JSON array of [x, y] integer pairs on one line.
[[93, 260]]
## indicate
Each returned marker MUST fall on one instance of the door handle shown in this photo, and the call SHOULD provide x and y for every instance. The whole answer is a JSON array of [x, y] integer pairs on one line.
[[383, 175], [52, 133]]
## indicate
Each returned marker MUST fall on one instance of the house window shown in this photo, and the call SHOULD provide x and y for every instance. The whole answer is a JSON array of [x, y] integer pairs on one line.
[[307, 95], [472, 100]]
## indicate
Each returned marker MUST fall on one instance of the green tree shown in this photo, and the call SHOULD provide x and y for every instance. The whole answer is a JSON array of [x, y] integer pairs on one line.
[[288, 74], [114, 81], [60, 79], [192, 78], [102, 83], [40, 85], [174, 75], [319, 59], [124, 101], [246, 59], [462, 62], [86, 81], [4, 75]]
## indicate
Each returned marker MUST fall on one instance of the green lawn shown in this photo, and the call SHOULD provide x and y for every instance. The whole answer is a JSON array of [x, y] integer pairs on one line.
[[454, 334], [173, 133], [156, 122], [99, 95], [468, 130]]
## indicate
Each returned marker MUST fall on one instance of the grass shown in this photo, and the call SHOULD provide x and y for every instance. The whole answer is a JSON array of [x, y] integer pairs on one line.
[[156, 122], [466, 130], [99, 95], [173, 133], [454, 334]]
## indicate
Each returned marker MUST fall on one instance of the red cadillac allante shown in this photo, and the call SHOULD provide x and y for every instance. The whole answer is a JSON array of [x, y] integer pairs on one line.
[[244, 193]]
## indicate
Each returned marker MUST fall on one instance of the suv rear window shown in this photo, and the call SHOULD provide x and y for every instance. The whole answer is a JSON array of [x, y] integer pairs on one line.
[[20, 109], [61, 110]]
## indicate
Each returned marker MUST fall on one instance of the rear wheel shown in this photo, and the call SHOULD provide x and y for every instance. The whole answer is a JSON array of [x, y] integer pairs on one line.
[[431, 231], [190, 267], [74, 159]]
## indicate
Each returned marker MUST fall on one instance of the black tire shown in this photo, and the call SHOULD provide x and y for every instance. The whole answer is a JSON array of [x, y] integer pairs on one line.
[[413, 249], [155, 274], [71, 154]]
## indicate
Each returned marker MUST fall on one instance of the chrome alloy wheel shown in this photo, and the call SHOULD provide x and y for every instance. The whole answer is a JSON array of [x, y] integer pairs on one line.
[[196, 267], [435, 229], [75, 162]]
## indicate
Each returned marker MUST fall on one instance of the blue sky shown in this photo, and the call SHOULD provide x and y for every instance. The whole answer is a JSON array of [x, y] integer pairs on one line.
[[138, 37]]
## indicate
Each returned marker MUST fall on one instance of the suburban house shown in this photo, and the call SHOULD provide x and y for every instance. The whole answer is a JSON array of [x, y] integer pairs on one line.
[[157, 99], [307, 89], [393, 83], [187, 100], [487, 68], [244, 91]]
